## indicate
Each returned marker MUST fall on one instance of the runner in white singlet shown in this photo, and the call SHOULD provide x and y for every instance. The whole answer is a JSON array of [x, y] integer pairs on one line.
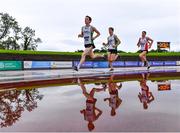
[[87, 32], [112, 43], [145, 43]]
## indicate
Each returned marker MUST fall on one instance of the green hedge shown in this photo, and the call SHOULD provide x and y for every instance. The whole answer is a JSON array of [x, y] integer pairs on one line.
[[21, 52]]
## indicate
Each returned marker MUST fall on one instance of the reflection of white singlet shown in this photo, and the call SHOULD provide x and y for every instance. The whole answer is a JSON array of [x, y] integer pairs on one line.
[[112, 102], [89, 111]]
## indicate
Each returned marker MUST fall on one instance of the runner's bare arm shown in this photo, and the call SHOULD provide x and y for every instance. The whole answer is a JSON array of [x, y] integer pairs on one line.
[[105, 44], [151, 98], [99, 89], [138, 43], [119, 101], [139, 96], [81, 34], [97, 33], [118, 40], [99, 112], [150, 41]]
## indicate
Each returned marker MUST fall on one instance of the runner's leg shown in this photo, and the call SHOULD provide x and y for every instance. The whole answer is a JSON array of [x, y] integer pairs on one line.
[[93, 56], [83, 57]]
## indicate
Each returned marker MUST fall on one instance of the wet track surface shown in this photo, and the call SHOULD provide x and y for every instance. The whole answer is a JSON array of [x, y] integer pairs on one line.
[[138, 101]]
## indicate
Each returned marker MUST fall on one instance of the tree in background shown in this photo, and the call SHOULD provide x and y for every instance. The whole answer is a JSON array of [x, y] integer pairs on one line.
[[9, 32], [13, 37], [29, 40]]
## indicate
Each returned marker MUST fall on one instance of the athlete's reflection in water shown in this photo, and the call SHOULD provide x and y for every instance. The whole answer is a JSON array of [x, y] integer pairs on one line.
[[114, 99], [91, 112], [14, 102], [145, 97]]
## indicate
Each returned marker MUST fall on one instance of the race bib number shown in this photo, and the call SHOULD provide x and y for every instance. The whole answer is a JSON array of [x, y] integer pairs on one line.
[[86, 38]]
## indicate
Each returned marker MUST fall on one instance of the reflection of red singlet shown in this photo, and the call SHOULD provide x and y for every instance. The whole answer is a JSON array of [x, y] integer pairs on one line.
[[145, 94]]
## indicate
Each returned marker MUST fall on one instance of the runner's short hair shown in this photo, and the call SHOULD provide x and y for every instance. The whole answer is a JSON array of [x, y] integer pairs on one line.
[[90, 19], [111, 28], [144, 32]]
